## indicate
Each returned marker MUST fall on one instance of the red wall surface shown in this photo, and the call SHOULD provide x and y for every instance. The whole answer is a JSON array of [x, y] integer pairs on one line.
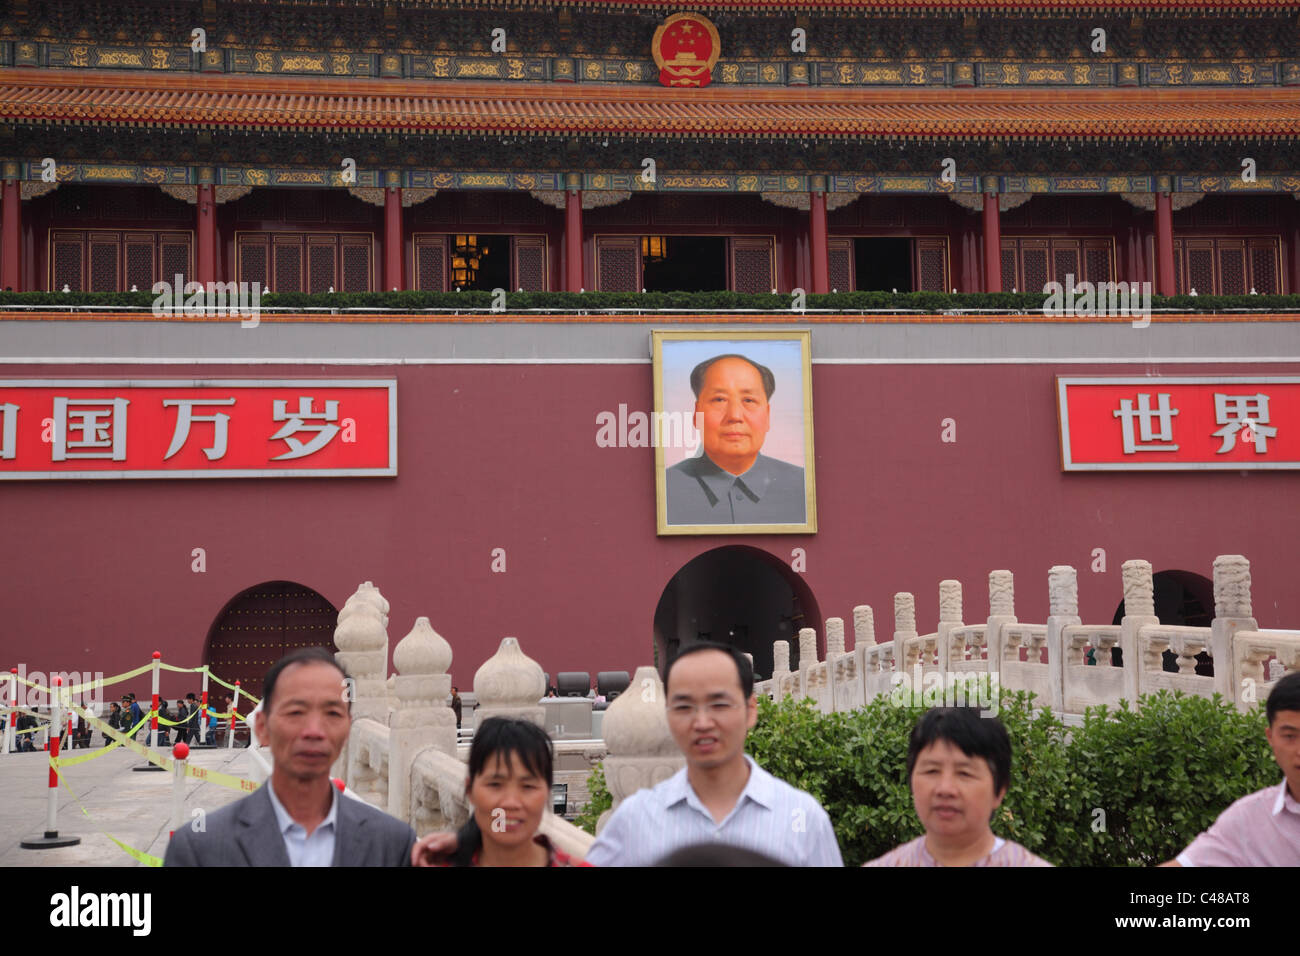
[[94, 575]]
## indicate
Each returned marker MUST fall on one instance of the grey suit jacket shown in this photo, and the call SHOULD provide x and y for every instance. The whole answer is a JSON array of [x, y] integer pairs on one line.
[[245, 833]]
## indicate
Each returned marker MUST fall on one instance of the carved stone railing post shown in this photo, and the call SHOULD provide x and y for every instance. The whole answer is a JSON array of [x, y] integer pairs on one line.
[[641, 751], [834, 651], [1232, 613], [423, 717], [362, 640], [1139, 612], [904, 630], [807, 660], [949, 618], [1063, 605], [1002, 611], [864, 626], [780, 667], [510, 684]]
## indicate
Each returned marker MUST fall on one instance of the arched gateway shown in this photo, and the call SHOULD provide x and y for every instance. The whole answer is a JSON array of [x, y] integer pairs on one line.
[[736, 595], [262, 624]]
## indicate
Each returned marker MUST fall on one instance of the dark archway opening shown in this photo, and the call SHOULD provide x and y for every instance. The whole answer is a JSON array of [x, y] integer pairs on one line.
[[1182, 599], [690, 264], [262, 624], [736, 595], [881, 264]]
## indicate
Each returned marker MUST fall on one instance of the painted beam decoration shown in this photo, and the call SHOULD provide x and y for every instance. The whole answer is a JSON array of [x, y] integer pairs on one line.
[[686, 48], [78, 428], [1179, 424]]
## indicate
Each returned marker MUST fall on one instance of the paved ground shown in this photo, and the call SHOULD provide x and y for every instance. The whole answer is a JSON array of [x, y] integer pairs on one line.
[[133, 806]]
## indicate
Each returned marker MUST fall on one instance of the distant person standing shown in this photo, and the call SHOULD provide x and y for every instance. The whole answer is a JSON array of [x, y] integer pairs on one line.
[[456, 704]]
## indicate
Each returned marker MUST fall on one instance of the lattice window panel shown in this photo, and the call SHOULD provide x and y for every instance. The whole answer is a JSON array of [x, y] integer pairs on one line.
[[430, 263], [1048, 211], [288, 265], [530, 263], [618, 264], [437, 209], [1212, 211], [931, 265], [342, 207], [252, 260], [1010, 278], [846, 216], [1096, 258], [1200, 267], [104, 264], [1232, 268], [117, 202], [686, 210], [1017, 218], [303, 205], [259, 205], [522, 209], [1065, 262], [480, 207], [69, 203], [1033, 269], [320, 266], [1264, 271], [1256, 210], [139, 265], [839, 264], [747, 211], [356, 267], [631, 212], [68, 265], [752, 267], [924, 211], [881, 211], [174, 257], [162, 206], [1089, 213]]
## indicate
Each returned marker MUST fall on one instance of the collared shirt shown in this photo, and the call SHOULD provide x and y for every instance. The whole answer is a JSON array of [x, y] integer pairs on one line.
[[1262, 829], [770, 817], [915, 853], [700, 492], [316, 849]]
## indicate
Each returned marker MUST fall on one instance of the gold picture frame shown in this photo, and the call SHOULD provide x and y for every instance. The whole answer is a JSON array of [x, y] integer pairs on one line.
[[741, 413]]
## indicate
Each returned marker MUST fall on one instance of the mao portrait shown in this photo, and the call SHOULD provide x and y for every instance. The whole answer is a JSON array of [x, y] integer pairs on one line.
[[744, 464]]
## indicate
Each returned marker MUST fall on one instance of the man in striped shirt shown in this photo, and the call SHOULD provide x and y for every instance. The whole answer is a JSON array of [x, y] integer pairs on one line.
[[722, 796], [959, 768]]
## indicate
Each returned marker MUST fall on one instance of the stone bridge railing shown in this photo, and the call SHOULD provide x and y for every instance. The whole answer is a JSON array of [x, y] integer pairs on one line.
[[402, 755], [1048, 659]]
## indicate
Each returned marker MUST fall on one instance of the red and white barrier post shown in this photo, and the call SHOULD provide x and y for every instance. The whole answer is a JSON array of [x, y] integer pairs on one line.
[[153, 716], [180, 753], [202, 738], [230, 740], [13, 710], [51, 837]]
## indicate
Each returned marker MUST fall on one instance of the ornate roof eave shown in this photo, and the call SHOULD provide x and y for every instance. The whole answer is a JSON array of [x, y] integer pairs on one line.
[[464, 108], [918, 7]]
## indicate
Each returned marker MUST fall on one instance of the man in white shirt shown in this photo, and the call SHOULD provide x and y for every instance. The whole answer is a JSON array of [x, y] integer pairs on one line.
[[722, 796]]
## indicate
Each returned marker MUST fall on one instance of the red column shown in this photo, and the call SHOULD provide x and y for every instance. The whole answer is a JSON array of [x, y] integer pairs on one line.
[[1164, 245], [393, 238], [573, 240], [821, 274], [1293, 278], [11, 236], [206, 230], [992, 245]]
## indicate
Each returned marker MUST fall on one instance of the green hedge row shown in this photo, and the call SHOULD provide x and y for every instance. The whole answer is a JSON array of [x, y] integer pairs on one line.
[[697, 301], [1128, 788]]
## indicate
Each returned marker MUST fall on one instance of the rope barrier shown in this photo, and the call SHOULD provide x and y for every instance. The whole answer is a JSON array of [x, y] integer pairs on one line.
[[139, 855], [127, 675]]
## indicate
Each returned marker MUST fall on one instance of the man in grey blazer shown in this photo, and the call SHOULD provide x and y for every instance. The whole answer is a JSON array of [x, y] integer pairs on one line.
[[298, 818]]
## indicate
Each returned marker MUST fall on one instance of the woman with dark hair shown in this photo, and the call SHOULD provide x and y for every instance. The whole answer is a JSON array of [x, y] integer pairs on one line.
[[509, 785]]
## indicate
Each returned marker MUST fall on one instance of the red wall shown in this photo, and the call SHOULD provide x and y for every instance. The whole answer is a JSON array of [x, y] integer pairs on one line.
[[96, 575]]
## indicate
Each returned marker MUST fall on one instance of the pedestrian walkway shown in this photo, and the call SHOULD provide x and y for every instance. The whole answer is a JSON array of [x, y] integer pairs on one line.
[[135, 807]]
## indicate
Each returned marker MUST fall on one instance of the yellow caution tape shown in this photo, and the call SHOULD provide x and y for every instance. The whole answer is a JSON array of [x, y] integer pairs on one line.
[[86, 685], [143, 857]]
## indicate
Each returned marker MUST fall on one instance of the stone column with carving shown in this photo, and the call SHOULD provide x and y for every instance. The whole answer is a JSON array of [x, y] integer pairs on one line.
[[510, 684], [904, 631], [424, 717], [864, 626], [1002, 610], [362, 640], [807, 661], [834, 651], [949, 618], [1232, 613], [780, 667], [1139, 612], [641, 751], [1063, 604]]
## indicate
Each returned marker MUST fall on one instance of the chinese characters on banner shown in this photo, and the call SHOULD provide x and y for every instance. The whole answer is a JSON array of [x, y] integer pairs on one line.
[[78, 428], [1168, 424]]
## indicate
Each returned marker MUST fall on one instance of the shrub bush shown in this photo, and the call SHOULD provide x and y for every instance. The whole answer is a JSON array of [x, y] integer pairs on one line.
[[1160, 774], [601, 800]]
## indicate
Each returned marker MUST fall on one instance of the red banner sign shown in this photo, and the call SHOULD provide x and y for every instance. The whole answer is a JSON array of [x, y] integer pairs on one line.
[[78, 428], [1173, 424]]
